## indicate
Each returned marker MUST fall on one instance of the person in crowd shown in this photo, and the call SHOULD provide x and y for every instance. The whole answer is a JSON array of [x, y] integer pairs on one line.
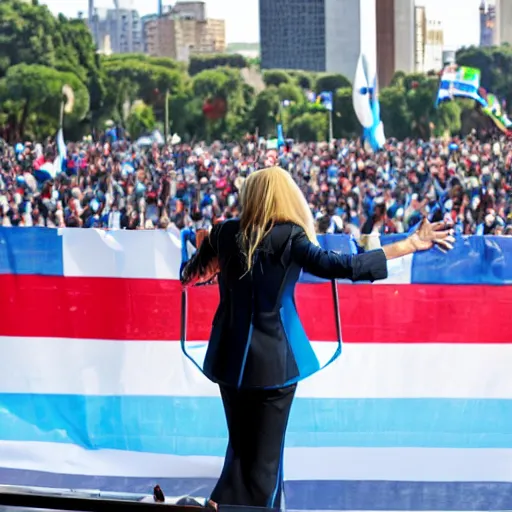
[[258, 351], [122, 186]]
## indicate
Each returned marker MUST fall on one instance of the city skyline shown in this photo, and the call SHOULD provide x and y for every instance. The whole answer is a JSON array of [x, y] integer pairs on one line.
[[460, 17]]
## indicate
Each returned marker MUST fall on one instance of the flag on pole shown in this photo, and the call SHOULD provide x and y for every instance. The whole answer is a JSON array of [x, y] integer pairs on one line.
[[62, 152], [280, 136], [325, 98]]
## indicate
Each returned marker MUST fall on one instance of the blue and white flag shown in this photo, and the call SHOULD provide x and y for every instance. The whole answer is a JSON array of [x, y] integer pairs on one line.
[[462, 82], [325, 98], [62, 152]]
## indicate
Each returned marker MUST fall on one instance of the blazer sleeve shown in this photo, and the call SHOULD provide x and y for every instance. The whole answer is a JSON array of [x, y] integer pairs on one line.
[[204, 256], [368, 266]]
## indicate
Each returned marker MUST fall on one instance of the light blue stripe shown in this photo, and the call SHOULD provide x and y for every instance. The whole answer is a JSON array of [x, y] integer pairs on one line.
[[33, 251], [196, 426]]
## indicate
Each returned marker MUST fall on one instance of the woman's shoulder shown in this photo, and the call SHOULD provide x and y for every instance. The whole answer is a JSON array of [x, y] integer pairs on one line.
[[228, 227], [282, 233], [288, 227]]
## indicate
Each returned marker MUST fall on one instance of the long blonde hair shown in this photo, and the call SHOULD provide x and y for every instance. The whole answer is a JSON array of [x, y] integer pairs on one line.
[[270, 196]]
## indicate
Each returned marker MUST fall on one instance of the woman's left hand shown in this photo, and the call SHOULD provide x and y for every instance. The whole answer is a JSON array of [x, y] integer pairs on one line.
[[429, 234], [191, 277]]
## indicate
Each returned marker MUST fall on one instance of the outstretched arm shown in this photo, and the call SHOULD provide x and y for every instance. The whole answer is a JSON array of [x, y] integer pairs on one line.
[[371, 265]]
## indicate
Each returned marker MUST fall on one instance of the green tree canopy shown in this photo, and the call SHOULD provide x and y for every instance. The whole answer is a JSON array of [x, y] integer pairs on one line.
[[332, 82], [204, 62], [39, 53], [276, 77], [310, 126], [265, 111], [141, 119], [34, 90]]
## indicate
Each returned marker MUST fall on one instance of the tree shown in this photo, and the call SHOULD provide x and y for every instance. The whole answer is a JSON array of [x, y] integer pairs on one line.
[[311, 126], [276, 77], [31, 35], [204, 62], [495, 64], [398, 79], [34, 91], [42, 52], [420, 100], [332, 82], [448, 118], [79, 57], [394, 113], [290, 92], [265, 111], [141, 120], [303, 79], [213, 83], [345, 122], [152, 81]]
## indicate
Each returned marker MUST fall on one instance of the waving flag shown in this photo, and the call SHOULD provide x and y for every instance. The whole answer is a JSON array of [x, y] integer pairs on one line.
[[365, 100], [325, 98], [461, 82], [464, 82], [62, 152], [95, 392]]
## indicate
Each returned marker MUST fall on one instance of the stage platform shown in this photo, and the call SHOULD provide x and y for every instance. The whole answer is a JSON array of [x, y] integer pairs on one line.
[[35, 499], [28, 499]]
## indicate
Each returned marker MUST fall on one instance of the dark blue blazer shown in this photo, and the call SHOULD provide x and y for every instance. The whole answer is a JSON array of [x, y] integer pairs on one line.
[[257, 340]]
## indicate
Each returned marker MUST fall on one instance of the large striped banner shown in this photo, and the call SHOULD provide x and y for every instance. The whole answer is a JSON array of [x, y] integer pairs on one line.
[[95, 392]]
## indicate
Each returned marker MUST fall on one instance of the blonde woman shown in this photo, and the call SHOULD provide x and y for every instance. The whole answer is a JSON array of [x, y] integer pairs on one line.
[[258, 351]]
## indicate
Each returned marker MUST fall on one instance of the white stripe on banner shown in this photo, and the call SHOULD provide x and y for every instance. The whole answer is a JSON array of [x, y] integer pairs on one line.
[[150, 255], [390, 464], [141, 254], [105, 367], [399, 271]]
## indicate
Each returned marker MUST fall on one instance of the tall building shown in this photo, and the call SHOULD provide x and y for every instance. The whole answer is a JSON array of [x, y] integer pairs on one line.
[[420, 37], [503, 32], [184, 30], [149, 32], [292, 34], [434, 46], [123, 27], [429, 42], [90, 11], [329, 35], [317, 35], [395, 38], [487, 24]]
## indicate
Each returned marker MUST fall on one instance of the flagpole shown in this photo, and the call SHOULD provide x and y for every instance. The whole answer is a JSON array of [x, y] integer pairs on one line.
[[166, 117], [331, 130]]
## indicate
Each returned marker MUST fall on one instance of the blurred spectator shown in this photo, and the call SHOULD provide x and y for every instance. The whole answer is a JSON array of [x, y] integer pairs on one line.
[[191, 187]]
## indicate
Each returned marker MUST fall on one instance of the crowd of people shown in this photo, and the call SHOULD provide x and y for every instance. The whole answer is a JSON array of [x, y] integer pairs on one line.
[[117, 185]]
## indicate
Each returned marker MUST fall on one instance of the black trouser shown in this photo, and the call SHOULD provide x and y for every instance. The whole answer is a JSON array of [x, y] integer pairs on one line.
[[253, 467]]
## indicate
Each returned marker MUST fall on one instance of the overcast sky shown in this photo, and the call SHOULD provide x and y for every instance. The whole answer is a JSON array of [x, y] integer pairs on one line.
[[460, 17]]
